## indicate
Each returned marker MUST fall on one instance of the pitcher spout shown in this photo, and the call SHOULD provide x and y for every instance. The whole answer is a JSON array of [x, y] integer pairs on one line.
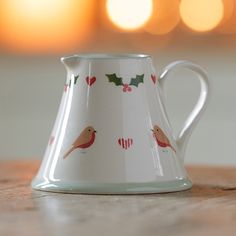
[[70, 62]]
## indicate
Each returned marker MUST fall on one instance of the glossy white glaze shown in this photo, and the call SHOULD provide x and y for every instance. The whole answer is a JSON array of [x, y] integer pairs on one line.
[[133, 143]]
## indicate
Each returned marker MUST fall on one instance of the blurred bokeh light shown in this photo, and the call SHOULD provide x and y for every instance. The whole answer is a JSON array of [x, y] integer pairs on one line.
[[202, 15], [228, 10], [45, 26], [165, 17], [228, 24], [129, 14], [64, 26]]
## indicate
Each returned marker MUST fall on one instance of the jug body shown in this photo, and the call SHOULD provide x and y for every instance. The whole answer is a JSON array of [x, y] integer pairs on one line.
[[111, 134]]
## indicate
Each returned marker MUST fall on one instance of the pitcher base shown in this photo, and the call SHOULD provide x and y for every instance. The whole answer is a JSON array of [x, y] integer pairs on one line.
[[113, 188]]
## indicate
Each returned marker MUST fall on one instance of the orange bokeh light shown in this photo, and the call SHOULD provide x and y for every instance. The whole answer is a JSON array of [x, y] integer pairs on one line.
[[202, 15], [129, 14], [45, 26], [228, 10], [228, 24], [165, 17]]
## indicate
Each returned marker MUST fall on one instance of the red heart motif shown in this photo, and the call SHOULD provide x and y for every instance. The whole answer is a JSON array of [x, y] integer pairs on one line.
[[125, 143], [90, 80], [154, 78]]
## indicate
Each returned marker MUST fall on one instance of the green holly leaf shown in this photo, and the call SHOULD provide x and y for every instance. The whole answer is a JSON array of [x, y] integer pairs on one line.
[[114, 79], [136, 81], [75, 80], [76, 77]]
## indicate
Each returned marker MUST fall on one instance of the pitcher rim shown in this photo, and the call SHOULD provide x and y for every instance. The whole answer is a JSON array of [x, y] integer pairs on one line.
[[103, 56]]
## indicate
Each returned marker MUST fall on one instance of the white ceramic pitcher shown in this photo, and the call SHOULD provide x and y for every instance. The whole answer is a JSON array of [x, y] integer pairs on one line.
[[112, 133]]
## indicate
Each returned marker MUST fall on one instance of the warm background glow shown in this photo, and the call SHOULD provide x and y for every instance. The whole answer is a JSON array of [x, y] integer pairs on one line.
[[45, 26], [129, 14], [165, 17], [63, 26], [201, 15], [228, 10], [228, 24]]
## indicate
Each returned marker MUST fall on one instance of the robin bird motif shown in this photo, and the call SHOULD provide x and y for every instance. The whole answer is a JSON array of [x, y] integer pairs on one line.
[[85, 140], [161, 138]]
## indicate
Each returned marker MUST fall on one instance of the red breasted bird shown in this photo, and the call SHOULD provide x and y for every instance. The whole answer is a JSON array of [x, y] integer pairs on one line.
[[161, 138], [85, 140]]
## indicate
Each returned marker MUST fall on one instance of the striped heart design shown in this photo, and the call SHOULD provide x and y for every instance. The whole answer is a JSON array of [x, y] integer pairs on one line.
[[125, 143]]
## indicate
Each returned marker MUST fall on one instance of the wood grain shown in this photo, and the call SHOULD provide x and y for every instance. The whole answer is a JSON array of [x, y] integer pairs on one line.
[[209, 208]]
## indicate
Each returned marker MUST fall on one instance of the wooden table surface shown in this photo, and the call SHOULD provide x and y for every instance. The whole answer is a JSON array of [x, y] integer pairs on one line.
[[209, 208]]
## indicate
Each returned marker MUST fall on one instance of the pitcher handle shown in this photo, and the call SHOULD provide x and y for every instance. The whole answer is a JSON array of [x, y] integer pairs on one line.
[[195, 115]]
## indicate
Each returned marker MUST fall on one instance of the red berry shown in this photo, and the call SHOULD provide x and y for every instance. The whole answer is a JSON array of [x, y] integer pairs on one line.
[[125, 87]]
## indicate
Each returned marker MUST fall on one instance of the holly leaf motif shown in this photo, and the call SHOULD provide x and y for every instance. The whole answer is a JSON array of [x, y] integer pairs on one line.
[[75, 80], [76, 77], [137, 80], [114, 79]]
